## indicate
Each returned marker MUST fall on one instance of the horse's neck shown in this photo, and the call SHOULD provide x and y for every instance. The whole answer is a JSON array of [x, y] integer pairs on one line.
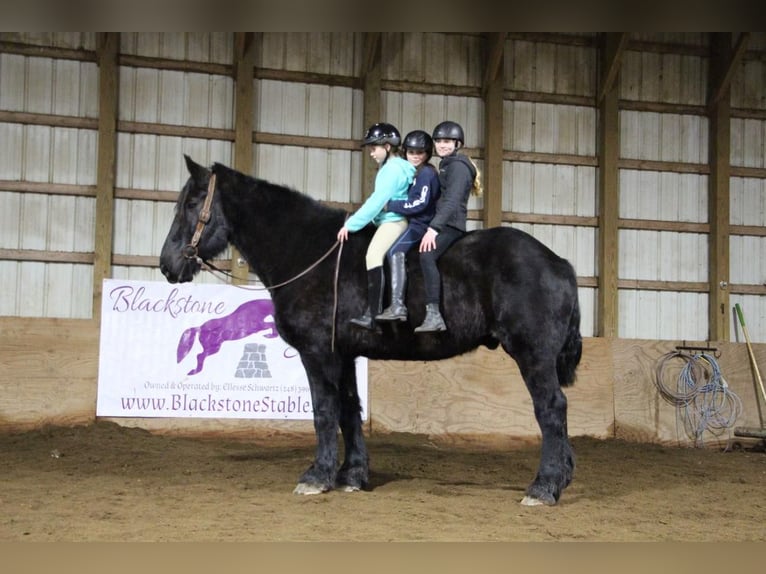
[[281, 239]]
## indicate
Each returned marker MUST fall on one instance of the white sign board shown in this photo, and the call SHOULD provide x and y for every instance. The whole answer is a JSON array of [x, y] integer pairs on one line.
[[198, 350]]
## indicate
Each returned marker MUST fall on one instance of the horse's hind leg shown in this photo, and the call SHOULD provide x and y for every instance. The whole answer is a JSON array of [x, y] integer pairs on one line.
[[550, 404], [354, 473], [324, 374]]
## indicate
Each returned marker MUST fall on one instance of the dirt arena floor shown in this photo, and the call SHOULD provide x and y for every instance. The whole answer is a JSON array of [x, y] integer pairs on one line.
[[105, 482]]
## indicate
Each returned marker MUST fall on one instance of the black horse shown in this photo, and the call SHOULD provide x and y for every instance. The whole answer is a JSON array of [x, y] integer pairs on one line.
[[500, 287]]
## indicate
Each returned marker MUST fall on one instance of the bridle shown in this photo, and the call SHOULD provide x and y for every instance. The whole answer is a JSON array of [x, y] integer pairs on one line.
[[190, 250]]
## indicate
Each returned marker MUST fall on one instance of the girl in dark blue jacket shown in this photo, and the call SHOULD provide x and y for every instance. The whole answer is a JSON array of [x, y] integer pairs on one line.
[[419, 208]]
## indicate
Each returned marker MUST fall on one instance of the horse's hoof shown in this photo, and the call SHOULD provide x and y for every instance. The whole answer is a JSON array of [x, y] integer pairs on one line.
[[350, 488], [304, 488], [532, 501]]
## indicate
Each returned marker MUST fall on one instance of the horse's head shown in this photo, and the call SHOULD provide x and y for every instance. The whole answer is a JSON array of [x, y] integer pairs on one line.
[[181, 254]]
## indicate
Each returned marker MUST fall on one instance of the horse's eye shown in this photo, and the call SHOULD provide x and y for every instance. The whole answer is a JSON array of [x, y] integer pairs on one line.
[[191, 203]]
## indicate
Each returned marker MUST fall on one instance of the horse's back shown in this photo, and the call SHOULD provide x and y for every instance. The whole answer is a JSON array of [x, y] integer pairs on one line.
[[511, 284]]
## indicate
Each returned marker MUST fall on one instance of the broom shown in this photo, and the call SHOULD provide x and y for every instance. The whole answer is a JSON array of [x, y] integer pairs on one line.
[[743, 431]]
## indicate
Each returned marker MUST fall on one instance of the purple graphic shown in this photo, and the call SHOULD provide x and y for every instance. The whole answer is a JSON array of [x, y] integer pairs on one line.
[[248, 318]]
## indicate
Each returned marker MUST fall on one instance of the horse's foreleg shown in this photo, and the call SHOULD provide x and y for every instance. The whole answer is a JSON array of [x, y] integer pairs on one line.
[[354, 473], [324, 382], [557, 459]]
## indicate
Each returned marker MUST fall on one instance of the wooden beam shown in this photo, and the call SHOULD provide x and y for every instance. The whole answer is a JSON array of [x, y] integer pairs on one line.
[[495, 52], [371, 56], [611, 66], [244, 63], [722, 85], [371, 87], [608, 188], [718, 189], [494, 81], [108, 82]]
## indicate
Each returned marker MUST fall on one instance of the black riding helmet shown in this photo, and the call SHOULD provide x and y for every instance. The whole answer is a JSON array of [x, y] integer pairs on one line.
[[419, 140], [382, 133], [449, 131]]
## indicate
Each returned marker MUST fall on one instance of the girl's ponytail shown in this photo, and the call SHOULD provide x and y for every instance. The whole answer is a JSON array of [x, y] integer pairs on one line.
[[477, 188]]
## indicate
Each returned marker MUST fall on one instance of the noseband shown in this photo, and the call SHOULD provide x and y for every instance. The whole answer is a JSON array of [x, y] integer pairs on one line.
[[190, 250]]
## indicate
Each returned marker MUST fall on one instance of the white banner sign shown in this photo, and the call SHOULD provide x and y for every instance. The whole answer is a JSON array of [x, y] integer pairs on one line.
[[197, 350]]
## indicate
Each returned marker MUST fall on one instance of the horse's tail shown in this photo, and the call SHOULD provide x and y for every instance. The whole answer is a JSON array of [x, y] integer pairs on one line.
[[186, 342], [569, 357]]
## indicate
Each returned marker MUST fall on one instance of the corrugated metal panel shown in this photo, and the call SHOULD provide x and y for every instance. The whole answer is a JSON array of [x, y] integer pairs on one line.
[[663, 196], [754, 311], [663, 137], [303, 109], [587, 296], [70, 40], [43, 85], [147, 161], [748, 260], [213, 47], [33, 289], [663, 315], [662, 255], [669, 78], [549, 128], [557, 190], [551, 68], [572, 243], [178, 98], [748, 142], [316, 52], [748, 201], [324, 175], [435, 58]]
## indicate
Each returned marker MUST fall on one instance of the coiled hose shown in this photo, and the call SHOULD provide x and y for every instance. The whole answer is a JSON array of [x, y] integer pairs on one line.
[[702, 396]]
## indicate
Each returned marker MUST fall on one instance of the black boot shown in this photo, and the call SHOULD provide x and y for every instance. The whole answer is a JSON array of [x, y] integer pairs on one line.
[[374, 299], [433, 321], [397, 311]]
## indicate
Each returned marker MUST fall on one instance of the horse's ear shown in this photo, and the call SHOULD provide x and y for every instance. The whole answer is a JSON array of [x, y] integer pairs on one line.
[[197, 172]]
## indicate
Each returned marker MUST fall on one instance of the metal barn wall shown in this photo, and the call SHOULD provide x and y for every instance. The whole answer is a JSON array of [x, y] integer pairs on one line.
[[177, 95], [51, 158], [154, 162], [670, 78], [748, 194], [559, 183]]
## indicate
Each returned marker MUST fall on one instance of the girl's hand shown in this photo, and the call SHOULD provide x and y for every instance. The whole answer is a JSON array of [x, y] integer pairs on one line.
[[343, 234], [428, 243]]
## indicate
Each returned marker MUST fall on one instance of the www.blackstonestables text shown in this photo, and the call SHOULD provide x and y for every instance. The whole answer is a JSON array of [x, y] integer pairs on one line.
[[289, 405]]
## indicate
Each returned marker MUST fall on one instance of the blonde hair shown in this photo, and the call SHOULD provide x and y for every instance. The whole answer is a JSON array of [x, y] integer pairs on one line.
[[477, 188]]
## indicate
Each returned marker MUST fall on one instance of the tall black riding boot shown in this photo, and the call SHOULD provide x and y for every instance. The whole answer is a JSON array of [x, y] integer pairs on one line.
[[397, 311], [433, 321], [374, 299]]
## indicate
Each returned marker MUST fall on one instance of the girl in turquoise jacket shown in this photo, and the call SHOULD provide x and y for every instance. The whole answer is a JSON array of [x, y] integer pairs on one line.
[[393, 180]]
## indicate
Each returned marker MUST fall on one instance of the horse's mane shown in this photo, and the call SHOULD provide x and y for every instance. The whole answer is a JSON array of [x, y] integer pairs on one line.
[[302, 220], [280, 199]]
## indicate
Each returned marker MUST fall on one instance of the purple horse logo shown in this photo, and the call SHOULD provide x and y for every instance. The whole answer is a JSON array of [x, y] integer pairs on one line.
[[248, 318]]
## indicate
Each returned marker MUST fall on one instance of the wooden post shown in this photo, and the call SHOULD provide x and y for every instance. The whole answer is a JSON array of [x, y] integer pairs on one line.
[[718, 186], [608, 188], [108, 83], [494, 84], [371, 76], [244, 63]]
